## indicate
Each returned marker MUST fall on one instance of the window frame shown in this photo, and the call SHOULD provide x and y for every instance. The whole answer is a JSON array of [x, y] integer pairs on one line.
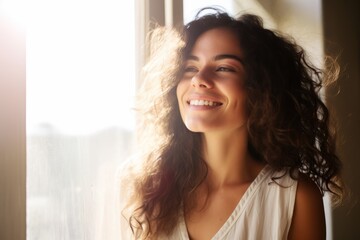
[[12, 129]]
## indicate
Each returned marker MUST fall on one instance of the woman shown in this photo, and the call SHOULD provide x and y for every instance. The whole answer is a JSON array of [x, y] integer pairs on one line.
[[236, 141]]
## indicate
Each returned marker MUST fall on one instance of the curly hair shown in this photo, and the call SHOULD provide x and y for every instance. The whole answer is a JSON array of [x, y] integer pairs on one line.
[[288, 123]]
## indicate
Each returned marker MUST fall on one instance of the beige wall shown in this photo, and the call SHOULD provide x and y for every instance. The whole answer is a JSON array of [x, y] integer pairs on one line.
[[341, 37]]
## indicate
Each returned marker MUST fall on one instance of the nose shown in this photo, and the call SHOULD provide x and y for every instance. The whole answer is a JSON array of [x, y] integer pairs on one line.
[[202, 80]]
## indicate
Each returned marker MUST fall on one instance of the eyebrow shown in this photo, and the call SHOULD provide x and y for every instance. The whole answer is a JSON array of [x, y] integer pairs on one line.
[[219, 57]]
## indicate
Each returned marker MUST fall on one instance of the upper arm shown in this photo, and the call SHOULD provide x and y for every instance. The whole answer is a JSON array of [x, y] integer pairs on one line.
[[308, 218]]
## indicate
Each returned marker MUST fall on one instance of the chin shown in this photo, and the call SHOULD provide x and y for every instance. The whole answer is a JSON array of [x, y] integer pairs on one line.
[[194, 129], [199, 128]]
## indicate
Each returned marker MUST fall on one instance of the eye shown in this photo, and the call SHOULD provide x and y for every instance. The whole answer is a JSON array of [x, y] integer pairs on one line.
[[225, 69], [190, 69]]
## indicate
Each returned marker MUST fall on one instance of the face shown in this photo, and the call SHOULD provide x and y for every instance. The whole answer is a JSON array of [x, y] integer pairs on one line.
[[211, 92]]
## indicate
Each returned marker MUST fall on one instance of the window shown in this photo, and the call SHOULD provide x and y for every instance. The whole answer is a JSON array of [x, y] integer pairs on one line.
[[80, 91]]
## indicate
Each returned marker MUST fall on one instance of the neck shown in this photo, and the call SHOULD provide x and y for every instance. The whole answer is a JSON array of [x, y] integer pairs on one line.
[[228, 159]]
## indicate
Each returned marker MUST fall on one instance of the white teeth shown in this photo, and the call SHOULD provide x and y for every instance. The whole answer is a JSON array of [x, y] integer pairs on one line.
[[203, 103]]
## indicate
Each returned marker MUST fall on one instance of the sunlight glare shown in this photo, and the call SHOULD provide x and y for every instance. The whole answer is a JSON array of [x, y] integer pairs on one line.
[[80, 65], [16, 10]]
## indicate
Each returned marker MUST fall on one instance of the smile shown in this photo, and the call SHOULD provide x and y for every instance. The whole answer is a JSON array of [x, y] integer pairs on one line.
[[203, 103]]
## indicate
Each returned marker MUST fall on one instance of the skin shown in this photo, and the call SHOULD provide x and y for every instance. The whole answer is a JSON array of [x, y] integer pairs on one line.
[[214, 73], [309, 219]]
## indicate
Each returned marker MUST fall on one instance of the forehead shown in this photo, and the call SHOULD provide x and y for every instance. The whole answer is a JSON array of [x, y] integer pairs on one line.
[[217, 41]]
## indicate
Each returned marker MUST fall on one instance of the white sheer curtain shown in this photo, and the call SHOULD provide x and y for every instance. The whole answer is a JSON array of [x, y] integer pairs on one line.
[[80, 89]]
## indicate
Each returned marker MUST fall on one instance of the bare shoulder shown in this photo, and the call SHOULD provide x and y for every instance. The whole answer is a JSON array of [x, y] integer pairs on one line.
[[308, 219]]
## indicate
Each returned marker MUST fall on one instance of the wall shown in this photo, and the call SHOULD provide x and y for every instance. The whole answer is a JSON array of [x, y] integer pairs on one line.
[[341, 35]]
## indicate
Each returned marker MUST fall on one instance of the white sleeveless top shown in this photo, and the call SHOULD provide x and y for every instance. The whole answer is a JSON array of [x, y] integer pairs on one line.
[[264, 212]]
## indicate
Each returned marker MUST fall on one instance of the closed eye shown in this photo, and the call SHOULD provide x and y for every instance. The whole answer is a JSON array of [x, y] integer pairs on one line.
[[190, 69], [225, 69]]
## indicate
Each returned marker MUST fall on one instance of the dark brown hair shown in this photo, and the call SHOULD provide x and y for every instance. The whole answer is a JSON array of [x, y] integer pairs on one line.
[[288, 122]]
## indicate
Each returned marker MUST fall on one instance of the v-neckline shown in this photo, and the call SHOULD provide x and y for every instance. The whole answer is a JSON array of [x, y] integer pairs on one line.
[[237, 210]]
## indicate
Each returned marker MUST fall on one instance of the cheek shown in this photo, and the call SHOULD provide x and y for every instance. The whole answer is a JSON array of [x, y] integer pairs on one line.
[[239, 98], [180, 92], [180, 89], [178, 95]]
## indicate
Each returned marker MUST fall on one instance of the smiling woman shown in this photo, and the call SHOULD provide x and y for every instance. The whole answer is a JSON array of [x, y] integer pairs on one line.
[[236, 140]]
